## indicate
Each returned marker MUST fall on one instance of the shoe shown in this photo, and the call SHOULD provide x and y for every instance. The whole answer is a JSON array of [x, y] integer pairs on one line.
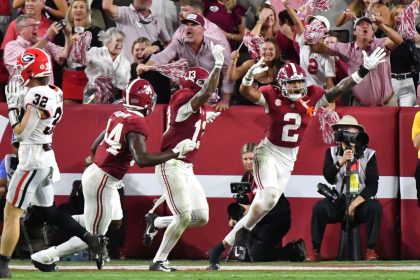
[[45, 260], [161, 266], [371, 255], [97, 243], [100, 259], [151, 230], [296, 250], [213, 266], [315, 256], [4, 270]]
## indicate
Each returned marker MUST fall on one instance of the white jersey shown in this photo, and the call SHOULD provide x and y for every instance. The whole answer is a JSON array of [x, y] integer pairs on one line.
[[34, 150], [317, 66], [49, 99]]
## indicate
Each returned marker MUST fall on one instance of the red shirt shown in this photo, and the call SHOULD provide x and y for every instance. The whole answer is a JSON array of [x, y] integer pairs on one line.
[[5, 8], [190, 128], [217, 13], [113, 155], [12, 32], [287, 120]]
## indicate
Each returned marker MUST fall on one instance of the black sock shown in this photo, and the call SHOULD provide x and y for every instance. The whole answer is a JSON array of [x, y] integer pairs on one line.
[[216, 252], [56, 217], [316, 247], [5, 258]]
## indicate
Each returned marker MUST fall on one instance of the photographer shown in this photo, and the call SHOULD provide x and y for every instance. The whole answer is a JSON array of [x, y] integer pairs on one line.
[[352, 149], [263, 243]]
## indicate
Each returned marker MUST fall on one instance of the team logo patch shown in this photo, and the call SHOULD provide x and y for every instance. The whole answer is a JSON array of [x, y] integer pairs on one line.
[[28, 57], [214, 8], [277, 102]]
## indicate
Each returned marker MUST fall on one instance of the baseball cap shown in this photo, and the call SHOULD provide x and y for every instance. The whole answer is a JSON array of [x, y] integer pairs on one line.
[[362, 19], [323, 19], [348, 121], [194, 18]]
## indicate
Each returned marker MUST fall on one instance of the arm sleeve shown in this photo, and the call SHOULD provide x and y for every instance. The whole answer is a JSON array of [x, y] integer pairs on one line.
[[330, 171], [372, 179], [168, 54]]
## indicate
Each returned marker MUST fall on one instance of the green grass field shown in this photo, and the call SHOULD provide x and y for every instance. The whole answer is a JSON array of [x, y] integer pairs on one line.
[[137, 269]]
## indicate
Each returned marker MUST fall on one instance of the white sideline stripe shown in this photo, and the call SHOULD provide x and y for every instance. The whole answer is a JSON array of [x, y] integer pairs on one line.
[[146, 184], [408, 188], [238, 268]]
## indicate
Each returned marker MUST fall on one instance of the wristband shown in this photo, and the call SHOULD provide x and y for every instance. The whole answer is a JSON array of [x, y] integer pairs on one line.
[[363, 71], [247, 81], [14, 117], [218, 64], [356, 77]]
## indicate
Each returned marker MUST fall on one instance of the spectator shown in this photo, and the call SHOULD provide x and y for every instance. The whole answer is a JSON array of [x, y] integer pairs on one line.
[[363, 206], [364, 8], [264, 241], [284, 39], [229, 16], [415, 135], [53, 9], [5, 13], [107, 69], [319, 68], [28, 30], [266, 25], [85, 36], [271, 58], [251, 15], [136, 21], [196, 48], [402, 63], [376, 89], [211, 30], [168, 10], [33, 8], [137, 50]]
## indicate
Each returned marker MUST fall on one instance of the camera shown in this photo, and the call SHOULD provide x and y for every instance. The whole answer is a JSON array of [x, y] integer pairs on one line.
[[62, 23], [240, 190], [330, 193], [360, 141]]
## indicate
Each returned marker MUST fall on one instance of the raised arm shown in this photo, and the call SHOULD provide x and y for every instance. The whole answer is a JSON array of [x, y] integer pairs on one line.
[[247, 89], [348, 14], [110, 9], [236, 72], [300, 28], [369, 63], [394, 38], [212, 81]]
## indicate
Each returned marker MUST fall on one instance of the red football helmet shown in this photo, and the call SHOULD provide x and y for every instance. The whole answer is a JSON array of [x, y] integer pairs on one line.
[[33, 63], [140, 95], [193, 78], [292, 72]]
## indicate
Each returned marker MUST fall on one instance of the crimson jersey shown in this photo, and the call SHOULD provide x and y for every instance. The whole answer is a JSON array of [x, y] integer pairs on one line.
[[192, 127], [113, 155], [287, 120]]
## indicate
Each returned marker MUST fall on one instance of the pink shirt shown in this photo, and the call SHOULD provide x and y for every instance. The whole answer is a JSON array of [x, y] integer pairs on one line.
[[12, 32], [14, 48], [128, 21], [376, 87], [178, 49]]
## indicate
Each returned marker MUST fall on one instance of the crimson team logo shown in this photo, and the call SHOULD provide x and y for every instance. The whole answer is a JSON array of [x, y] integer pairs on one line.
[[277, 102]]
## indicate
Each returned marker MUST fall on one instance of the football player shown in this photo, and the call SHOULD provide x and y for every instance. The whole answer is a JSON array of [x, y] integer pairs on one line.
[[188, 115], [123, 141], [289, 107], [41, 105]]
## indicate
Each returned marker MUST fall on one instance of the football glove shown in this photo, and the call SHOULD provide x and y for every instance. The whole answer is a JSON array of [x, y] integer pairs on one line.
[[217, 51], [184, 147]]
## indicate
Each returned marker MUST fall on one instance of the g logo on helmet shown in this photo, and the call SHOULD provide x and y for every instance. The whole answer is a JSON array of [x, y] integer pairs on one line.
[[28, 57]]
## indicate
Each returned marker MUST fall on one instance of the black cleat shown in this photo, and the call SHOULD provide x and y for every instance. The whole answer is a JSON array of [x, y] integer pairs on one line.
[[296, 250], [161, 266], [100, 259], [4, 270], [45, 267], [97, 243], [213, 266], [151, 230]]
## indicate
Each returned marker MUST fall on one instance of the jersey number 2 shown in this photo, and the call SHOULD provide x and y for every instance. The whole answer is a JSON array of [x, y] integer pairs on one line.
[[288, 128]]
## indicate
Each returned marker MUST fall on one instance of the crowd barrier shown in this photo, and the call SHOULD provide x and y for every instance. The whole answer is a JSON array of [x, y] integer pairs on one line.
[[218, 163]]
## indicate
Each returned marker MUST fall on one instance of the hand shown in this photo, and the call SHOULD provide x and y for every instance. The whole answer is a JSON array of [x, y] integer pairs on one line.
[[376, 19], [352, 210], [217, 51], [265, 13], [223, 104], [184, 147], [149, 51], [350, 14], [370, 62], [256, 69], [348, 155], [211, 116], [234, 56], [14, 94], [53, 30], [141, 68]]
